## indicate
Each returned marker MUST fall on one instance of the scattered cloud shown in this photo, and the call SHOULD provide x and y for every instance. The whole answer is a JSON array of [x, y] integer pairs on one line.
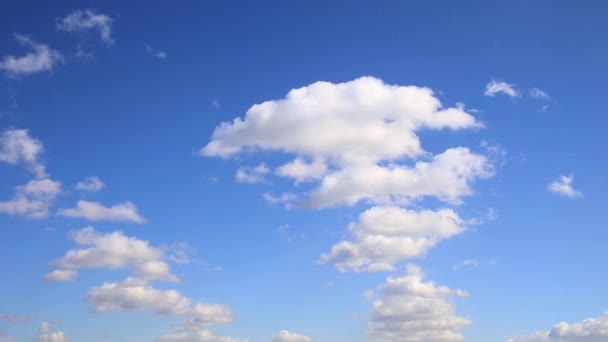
[[84, 20], [33, 199], [111, 251], [286, 336], [18, 147], [383, 236], [364, 129], [93, 211], [215, 103], [48, 335], [15, 319], [90, 184], [563, 187], [286, 198], [409, 309], [42, 58], [588, 330], [500, 87], [538, 94], [472, 263], [159, 54], [252, 175], [199, 336], [543, 109]]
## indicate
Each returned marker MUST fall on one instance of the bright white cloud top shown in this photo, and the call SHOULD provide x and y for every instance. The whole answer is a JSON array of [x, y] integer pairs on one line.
[[563, 187], [33, 199], [384, 236], [286, 336], [42, 58], [93, 211], [409, 309], [588, 330], [499, 87], [18, 147]]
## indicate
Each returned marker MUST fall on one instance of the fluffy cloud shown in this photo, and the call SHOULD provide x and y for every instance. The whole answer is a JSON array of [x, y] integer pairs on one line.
[[113, 251], [364, 138], [538, 94], [199, 336], [17, 146], [42, 58], [251, 175], [48, 335], [93, 211], [498, 87], [15, 319], [286, 336], [386, 235], [33, 199], [563, 186], [588, 330], [90, 184], [84, 20], [408, 309], [135, 294]]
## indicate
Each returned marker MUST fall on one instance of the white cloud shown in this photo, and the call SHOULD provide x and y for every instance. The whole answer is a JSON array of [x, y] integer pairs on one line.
[[588, 330], [497, 87], [84, 20], [383, 236], [46, 327], [135, 294], [55, 336], [252, 175], [471, 263], [159, 54], [17, 146], [113, 251], [365, 138], [199, 336], [42, 58], [538, 94], [286, 336], [15, 319], [33, 199], [93, 211], [408, 309], [90, 184], [61, 275], [563, 186], [285, 198]]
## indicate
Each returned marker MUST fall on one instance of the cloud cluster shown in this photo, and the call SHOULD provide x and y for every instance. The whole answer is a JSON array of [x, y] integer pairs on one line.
[[563, 187], [286, 336], [409, 309], [588, 330], [93, 211], [386, 235], [41, 58], [85, 20], [111, 251]]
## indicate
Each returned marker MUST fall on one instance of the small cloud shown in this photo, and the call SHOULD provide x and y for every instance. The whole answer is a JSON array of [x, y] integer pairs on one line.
[[42, 58], [563, 186], [285, 198], [215, 103], [90, 184], [472, 263], [543, 109], [93, 211], [159, 54], [497, 87], [538, 94], [252, 175], [85, 20]]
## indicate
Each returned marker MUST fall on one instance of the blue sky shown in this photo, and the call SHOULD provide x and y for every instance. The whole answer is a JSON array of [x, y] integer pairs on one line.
[[400, 171]]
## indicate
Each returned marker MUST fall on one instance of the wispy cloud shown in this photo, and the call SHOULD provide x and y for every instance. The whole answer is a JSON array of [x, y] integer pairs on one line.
[[85, 20], [563, 186], [90, 184], [500, 87], [159, 54], [42, 58], [538, 94]]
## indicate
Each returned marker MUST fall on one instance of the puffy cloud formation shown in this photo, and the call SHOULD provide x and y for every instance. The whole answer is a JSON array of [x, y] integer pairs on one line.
[[386, 235], [286, 336], [17, 146], [90, 184], [355, 138], [563, 186], [135, 294], [251, 175], [42, 58], [84, 20], [33, 199], [500, 87], [113, 251], [199, 336], [408, 309], [48, 335], [588, 330], [93, 211]]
